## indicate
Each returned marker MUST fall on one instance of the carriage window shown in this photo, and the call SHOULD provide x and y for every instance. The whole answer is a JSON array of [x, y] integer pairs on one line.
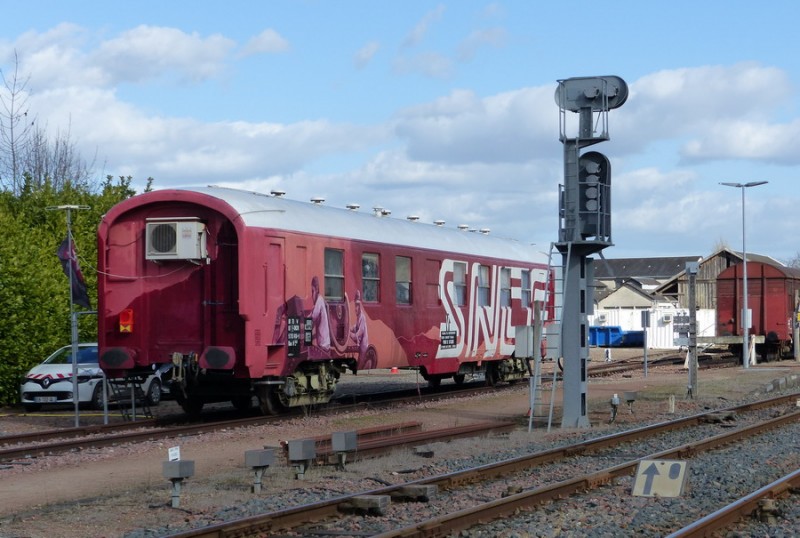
[[460, 282], [432, 268], [505, 286], [370, 277], [483, 285], [526, 288], [403, 279], [334, 274]]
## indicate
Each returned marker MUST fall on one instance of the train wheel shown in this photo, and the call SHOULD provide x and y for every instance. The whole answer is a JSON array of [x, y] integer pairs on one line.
[[191, 405], [269, 402], [242, 403], [434, 381], [492, 375], [459, 379]]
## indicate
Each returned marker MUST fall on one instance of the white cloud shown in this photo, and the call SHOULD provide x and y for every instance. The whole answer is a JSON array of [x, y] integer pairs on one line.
[[682, 214], [651, 181], [226, 150], [495, 37], [428, 64], [417, 34], [62, 36], [703, 103], [268, 41], [147, 52], [365, 54], [54, 58], [513, 126], [747, 140]]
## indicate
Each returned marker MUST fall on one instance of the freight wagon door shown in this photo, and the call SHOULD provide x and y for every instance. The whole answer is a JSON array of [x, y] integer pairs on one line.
[[727, 304], [778, 305], [755, 298]]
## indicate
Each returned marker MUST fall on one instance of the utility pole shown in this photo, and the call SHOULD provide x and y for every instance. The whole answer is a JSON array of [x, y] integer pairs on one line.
[[746, 322], [691, 271], [645, 327], [72, 313]]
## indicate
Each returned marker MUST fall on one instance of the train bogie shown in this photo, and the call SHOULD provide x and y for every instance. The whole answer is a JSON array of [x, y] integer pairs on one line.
[[258, 295]]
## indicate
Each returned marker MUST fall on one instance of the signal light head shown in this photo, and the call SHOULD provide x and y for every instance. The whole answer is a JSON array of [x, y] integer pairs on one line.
[[594, 188]]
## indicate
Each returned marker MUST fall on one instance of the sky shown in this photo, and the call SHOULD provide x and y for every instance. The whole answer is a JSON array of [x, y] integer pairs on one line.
[[443, 110]]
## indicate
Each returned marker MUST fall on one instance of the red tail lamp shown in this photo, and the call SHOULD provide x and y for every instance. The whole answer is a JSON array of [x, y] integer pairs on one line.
[[126, 321]]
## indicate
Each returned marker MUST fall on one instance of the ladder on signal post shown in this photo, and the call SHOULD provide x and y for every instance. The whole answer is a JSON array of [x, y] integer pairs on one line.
[[551, 333]]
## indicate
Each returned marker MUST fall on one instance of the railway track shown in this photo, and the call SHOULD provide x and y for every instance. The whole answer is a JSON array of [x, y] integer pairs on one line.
[[74, 439], [525, 482], [13, 447], [761, 502]]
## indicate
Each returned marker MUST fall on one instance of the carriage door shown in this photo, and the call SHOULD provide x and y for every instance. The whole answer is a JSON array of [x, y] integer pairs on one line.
[[274, 286], [223, 325]]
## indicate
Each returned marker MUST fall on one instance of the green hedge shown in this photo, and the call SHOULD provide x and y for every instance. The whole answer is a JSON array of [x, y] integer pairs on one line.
[[34, 291]]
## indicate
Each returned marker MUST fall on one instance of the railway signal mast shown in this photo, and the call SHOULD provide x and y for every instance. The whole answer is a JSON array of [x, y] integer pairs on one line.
[[584, 224]]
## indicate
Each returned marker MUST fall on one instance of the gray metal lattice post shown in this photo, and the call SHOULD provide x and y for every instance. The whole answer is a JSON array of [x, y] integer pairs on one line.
[[584, 223]]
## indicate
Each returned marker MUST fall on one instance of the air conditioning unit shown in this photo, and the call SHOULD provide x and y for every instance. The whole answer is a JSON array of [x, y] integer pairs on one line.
[[601, 318], [666, 318], [175, 239]]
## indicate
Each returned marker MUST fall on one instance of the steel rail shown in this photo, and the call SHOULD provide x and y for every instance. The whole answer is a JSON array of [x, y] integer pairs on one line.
[[291, 517], [464, 519], [371, 447], [730, 514], [56, 447], [337, 405], [14, 451], [66, 433]]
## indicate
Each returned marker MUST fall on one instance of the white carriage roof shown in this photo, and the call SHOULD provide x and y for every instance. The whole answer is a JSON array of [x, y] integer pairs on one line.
[[265, 211]]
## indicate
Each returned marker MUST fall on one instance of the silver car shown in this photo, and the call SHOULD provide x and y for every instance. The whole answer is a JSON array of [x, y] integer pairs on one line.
[[51, 381]]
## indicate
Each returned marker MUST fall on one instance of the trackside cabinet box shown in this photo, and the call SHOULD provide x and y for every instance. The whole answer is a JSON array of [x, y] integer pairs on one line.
[[302, 450], [344, 441], [178, 469], [259, 458], [523, 341]]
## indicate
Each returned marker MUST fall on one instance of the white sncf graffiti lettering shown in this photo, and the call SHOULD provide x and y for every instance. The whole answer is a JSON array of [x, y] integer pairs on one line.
[[479, 303]]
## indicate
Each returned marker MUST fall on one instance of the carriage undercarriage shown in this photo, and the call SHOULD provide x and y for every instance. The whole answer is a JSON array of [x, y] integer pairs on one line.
[[313, 383]]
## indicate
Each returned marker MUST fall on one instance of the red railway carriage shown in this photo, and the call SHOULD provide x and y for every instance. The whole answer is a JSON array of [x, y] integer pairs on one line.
[[252, 295], [773, 293]]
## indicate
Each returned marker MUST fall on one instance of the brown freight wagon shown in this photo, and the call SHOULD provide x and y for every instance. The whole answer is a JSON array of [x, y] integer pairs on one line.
[[773, 295]]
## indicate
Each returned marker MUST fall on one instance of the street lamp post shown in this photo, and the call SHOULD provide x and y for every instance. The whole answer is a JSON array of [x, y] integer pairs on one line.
[[745, 311]]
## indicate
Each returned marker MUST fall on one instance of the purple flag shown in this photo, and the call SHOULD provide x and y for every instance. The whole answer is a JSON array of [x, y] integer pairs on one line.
[[66, 253]]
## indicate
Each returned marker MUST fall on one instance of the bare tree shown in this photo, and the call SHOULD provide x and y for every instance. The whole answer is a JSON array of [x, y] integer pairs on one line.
[[721, 244], [29, 158], [57, 162], [16, 127]]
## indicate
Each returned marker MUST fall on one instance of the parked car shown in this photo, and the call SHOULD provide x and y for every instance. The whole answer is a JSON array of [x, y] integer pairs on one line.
[[51, 381]]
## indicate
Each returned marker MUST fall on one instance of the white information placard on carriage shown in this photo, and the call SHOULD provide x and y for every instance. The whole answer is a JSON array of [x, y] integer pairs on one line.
[[660, 478]]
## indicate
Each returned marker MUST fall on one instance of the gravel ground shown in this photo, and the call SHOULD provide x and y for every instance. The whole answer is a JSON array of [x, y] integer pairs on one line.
[[120, 491]]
